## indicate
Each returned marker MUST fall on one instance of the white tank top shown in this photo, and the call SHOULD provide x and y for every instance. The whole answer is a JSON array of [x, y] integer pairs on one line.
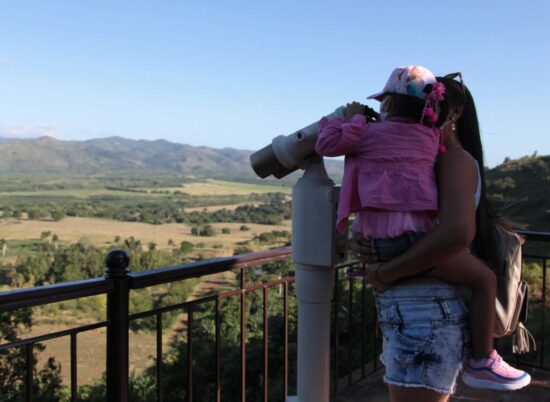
[[477, 194]]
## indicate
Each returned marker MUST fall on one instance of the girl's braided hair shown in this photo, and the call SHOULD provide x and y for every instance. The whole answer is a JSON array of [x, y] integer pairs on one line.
[[407, 106]]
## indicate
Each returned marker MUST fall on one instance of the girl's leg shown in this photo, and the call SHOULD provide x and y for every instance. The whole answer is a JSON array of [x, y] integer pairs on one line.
[[467, 270], [487, 369], [407, 394]]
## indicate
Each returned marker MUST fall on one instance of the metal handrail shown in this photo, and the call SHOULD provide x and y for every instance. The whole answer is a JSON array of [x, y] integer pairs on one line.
[[40, 295], [159, 276]]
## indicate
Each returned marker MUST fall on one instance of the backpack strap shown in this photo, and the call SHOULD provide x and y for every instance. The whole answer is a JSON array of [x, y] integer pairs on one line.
[[522, 339]]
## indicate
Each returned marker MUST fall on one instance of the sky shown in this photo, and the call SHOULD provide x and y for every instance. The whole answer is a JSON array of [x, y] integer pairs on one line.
[[238, 73]]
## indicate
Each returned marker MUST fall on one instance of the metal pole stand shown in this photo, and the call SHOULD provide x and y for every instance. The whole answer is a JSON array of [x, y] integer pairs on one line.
[[315, 253]]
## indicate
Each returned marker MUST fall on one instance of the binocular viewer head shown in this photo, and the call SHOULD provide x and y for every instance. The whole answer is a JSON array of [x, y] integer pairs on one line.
[[288, 153]]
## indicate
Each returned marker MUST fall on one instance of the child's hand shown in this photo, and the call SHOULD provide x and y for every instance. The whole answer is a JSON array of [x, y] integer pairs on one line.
[[354, 108], [363, 251]]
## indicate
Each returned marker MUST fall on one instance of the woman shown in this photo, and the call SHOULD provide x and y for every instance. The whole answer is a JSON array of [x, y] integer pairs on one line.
[[423, 319]]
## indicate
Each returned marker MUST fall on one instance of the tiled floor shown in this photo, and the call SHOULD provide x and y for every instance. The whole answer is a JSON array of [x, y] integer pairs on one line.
[[373, 390]]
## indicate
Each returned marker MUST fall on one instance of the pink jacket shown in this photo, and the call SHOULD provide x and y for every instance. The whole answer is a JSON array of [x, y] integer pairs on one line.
[[389, 165]]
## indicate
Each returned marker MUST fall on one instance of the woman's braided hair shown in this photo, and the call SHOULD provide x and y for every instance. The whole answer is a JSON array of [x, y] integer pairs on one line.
[[458, 98]]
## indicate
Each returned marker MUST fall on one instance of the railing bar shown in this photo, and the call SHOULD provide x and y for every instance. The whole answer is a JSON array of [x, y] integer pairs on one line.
[[74, 360], [543, 314], [375, 335], [363, 320], [266, 345], [179, 306], [160, 378], [350, 329], [534, 235], [180, 272], [29, 363], [40, 295], [285, 347], [336, 329], [256, 287], [190, 354], [218, 351], [53, 335], [243, 337]]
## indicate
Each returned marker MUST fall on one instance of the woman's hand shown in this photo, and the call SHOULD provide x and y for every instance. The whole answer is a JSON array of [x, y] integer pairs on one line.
[[372, 277], [354, 108]]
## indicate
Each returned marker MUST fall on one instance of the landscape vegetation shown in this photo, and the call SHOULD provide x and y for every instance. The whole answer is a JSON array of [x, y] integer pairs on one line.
[[64, 205]]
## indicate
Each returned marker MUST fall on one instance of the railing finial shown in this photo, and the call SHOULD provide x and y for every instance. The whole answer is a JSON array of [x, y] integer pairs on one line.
[[117, 262]]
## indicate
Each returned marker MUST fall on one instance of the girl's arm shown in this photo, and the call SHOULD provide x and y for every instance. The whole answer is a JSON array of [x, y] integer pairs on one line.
[[338, 136], [457, 181]]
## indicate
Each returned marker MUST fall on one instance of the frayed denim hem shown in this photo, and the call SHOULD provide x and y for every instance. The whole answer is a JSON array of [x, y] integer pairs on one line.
[[415, 385]]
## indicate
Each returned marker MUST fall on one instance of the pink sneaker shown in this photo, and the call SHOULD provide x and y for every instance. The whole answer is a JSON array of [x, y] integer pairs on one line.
[[494, 373]]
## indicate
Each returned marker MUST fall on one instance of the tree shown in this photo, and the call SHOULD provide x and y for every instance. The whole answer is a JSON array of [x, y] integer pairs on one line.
[[45, 235], [186, 247], [207, 231], [58, 215], [47, 386]]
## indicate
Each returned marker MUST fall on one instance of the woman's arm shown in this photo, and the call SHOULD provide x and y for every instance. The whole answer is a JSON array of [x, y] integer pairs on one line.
[[457, 181]]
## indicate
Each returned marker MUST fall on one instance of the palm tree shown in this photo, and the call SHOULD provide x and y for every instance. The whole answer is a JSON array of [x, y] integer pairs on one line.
[[55, 240], [3, 246]]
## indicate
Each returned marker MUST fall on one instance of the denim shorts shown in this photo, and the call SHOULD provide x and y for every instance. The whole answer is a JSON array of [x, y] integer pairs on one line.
[[387, 248], [426, 336]]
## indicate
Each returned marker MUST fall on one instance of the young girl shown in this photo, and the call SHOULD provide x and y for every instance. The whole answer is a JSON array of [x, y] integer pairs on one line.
[[389, 183]]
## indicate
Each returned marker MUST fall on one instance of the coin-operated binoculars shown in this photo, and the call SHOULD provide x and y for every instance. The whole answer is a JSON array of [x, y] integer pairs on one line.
[[316, 248]]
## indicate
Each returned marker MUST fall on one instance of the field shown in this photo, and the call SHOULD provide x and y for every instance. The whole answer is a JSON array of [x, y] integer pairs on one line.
[[102, 232], [22, 234], [208, 187], [219, 187], [198, 197]]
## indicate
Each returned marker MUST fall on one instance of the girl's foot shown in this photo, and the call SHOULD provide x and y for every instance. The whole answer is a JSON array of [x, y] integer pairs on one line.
[[494, 373]]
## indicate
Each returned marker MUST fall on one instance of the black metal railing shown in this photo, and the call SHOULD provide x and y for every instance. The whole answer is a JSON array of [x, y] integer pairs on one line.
[[117, 284], [355, 341]]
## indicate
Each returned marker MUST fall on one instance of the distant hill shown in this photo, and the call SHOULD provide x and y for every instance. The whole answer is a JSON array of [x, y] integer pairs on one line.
[[521, 188], [116, 155]]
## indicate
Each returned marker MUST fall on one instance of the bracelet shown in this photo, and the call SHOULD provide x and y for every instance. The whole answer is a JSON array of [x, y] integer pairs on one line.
[[377, 278]]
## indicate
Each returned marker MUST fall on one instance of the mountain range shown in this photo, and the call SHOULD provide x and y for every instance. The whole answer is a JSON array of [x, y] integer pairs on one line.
[[103, 156], [519, 187]]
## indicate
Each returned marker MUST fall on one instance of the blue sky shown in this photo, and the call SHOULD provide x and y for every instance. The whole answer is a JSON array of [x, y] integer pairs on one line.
[[237, 73]]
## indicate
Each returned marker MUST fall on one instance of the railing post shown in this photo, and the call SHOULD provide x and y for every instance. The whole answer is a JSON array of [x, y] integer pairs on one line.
[[117, 262]]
